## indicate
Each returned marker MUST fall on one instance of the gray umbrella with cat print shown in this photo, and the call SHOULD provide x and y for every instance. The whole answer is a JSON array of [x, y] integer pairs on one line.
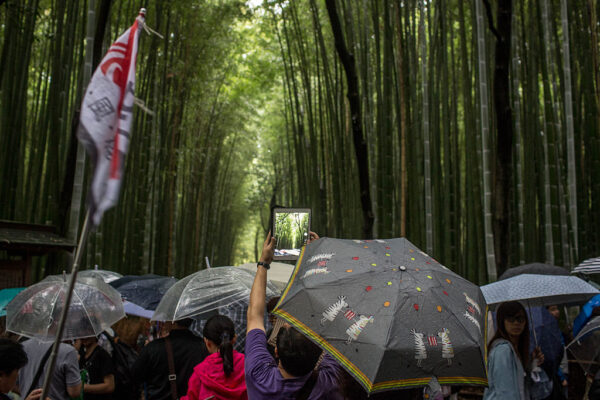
[[391, 315]]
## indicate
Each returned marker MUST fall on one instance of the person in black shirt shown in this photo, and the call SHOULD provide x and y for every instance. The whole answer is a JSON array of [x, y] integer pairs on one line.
[[100, 383], [152, 366]]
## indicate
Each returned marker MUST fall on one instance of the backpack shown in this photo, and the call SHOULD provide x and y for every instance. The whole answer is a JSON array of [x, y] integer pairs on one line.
[[123, 357]]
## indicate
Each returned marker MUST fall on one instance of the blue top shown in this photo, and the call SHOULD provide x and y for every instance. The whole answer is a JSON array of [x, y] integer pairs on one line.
[[506, 375], [585, 314]]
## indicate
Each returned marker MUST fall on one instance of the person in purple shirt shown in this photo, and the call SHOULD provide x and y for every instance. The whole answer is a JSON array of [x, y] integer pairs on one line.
[[294, 375]]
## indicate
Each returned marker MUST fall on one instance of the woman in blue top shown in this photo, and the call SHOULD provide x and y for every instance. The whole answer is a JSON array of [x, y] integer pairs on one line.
[[509, 354]]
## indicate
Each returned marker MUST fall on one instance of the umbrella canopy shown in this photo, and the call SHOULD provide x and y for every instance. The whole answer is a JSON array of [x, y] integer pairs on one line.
[[105, 275], [35, 312], [135, 310], [279, 274], [585, 314], [539, 290], [533, 268], [145, 291], [206, 291], [586, 347], [6, 295], [390, 314], [588, 267]]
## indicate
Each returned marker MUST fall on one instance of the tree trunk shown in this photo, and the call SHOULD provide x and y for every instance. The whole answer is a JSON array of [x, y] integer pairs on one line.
[[360, 146], [504, 136], [487, 195]]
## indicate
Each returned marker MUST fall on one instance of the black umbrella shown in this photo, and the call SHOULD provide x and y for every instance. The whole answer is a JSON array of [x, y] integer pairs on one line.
[[390, 314], [533, 268], [145, 291]]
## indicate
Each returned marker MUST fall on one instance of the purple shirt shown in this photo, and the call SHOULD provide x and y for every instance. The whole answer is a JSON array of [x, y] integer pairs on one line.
[[264, 381]]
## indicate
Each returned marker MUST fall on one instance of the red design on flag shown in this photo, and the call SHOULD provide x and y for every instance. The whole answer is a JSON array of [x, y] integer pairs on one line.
[[106, 119], [432, 340], [471, 309], [322, 263], [349, 314]]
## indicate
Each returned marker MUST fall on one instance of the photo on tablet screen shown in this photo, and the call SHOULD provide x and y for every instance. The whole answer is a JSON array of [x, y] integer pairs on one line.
[[291, 228]]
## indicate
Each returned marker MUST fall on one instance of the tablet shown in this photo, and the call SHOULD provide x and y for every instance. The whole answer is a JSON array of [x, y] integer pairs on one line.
[[291, 228]]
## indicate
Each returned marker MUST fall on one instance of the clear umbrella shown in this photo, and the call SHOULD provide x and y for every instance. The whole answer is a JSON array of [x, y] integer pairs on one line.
[[585, 348], [206, 291], [35, 312], [106, 275]]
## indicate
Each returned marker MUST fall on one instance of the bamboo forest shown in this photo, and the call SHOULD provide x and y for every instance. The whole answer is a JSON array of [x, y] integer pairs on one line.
[[470, 127]]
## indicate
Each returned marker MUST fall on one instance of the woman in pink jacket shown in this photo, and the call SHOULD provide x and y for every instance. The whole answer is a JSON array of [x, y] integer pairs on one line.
[[221, 375]]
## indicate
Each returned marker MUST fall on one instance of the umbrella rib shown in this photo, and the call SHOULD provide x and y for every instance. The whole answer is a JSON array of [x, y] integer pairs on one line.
[[84, 309], [179, 299]]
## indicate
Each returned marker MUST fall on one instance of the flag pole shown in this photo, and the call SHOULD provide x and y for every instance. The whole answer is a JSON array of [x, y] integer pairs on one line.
[[63, 317]]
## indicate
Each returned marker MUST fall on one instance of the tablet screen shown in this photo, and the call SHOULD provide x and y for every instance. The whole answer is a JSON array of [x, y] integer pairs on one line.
[[291, 227]]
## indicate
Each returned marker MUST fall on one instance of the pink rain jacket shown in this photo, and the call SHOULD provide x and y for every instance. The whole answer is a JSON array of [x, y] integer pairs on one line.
[[208, 379]]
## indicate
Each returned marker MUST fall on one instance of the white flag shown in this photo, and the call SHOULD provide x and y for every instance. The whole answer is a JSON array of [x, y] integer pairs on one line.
[[106, 117]]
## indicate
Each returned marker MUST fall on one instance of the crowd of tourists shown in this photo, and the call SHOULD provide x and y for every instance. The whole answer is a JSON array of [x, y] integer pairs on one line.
[[178, 364]]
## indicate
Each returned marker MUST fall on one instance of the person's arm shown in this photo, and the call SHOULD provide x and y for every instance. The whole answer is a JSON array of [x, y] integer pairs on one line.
[[256, 307], [74, 391], [35, 395], [71, 372], [106, 387]]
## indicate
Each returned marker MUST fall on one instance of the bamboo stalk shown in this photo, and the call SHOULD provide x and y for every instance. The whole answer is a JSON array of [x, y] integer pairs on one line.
[[483, 98]]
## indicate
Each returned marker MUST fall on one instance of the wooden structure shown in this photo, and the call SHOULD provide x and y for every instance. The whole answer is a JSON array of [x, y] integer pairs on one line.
[[19, 242]]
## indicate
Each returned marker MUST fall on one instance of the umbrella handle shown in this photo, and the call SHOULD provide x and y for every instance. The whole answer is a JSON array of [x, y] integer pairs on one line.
[[531, 321]]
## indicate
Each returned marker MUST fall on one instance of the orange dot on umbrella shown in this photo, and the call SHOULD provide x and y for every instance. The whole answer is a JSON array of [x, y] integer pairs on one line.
[[411, 250], [417, 269], [439, 308], [348, 270], [386, 304], [448, 280], [366, 247]]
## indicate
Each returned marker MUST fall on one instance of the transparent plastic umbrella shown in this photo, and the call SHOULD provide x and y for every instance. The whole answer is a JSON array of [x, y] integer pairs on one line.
[[206, 291], [35, 312], [585, 348], [106, 275]]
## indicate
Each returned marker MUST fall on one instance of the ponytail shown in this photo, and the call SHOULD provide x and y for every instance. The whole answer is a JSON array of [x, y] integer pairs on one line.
[[220, 330], [226, 352]]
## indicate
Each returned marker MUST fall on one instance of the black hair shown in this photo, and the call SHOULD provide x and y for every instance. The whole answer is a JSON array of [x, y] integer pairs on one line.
[[506, 310], [12, 355], [298, 355], [184, 323], [219, 329]]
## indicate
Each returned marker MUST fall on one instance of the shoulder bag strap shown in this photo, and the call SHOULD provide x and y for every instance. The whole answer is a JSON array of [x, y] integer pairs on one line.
[[172, 375], [40, 369]]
